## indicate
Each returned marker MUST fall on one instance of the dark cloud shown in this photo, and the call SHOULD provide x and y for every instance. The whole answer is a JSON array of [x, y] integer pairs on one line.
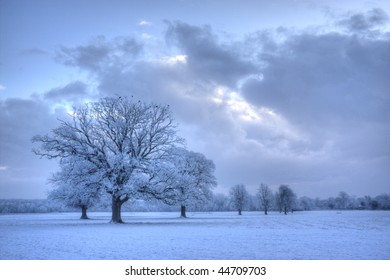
[[325, 78], [128, 46], [360, 22], [73, 91], [207, 57], [100, 53], [88, 57]]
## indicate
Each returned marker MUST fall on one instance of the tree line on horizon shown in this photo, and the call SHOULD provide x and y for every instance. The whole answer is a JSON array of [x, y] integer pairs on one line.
[[218, 202]]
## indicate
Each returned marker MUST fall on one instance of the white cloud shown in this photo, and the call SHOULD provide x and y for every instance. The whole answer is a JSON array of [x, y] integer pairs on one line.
[[2, 88], [144, 23], [175, 59], [146, 36]]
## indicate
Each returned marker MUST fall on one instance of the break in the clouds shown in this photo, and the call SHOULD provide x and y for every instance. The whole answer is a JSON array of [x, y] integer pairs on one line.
[[304, 107]]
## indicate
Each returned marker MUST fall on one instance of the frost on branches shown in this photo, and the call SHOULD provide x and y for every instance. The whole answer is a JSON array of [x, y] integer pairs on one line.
[[77, 184], [193, 178], [126, 144]]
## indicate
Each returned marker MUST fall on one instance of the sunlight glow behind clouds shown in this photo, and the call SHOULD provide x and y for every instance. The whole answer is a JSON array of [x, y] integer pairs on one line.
[[172, 60], [263, 116]]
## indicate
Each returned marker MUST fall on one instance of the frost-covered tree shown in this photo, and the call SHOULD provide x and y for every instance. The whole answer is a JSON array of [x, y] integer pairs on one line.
[[239, 197], [193, 178], [265, 196], [126, 141], [76, 185], [76, 196], [286, 198]]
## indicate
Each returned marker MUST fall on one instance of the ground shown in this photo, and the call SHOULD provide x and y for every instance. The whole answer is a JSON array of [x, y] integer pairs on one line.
[[302, 235]]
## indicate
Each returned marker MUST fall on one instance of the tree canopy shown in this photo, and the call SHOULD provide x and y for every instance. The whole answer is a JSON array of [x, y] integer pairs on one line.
[[126, 144]]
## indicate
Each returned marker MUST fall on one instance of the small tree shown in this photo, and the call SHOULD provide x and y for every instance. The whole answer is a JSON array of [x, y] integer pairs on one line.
[[76, 185], [239, 197], [76, 196], [286, 198], [264, 194]]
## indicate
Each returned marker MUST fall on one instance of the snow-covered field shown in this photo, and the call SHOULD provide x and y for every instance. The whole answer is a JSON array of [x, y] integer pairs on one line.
[[302, 235]]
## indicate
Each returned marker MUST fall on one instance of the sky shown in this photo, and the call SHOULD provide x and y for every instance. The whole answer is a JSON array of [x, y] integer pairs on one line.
[[275, 92]]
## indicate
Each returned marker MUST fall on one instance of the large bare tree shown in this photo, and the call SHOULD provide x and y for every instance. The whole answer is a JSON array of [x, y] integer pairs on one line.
[[126, 143]]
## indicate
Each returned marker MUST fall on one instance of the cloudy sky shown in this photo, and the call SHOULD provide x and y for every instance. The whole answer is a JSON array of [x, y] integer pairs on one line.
[[279, 92]]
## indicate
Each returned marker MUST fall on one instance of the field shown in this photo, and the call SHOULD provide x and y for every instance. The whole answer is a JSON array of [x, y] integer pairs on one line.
[[303, 235]]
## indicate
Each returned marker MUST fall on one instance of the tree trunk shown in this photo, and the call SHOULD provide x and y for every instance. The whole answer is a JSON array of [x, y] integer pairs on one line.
[[116, 217], [84, 213], [183, 211], [266, 211], [239, 212], [285, 210]]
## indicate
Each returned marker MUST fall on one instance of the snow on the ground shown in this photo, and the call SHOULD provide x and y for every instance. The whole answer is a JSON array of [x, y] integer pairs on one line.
[[302, 235]]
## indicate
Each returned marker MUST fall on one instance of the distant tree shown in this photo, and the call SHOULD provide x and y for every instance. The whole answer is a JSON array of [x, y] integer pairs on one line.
[[306, 203], [342, 201], [374, 204], [220, 202], [126, 141], [239, 197], [331, 203], [382, 201], [286, 198], [265, 196], [193, 178]]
